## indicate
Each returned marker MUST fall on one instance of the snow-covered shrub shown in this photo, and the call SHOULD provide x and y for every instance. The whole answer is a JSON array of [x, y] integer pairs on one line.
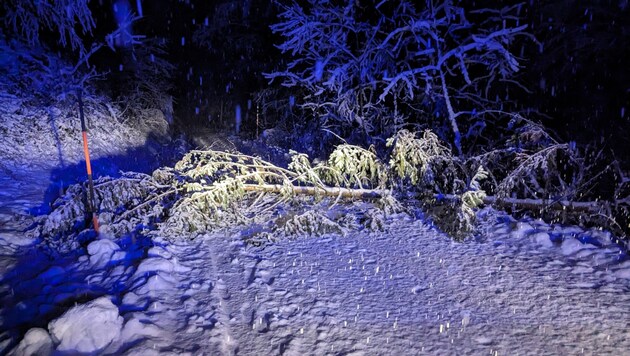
[[416, 158], [352, 166], [123, 204], [38, 76], [67, 214], [191, 216], [538, 174], [322, 218], [71, 19], [388, 204], [449, 186], [311, 222], [143, 86], [51, 135], [29, 68], [471, 199], [46, 74], [532, 163], [45, 126]]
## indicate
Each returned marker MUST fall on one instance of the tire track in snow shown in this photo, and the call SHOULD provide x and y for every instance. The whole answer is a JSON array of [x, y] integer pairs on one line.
[[222, 293]]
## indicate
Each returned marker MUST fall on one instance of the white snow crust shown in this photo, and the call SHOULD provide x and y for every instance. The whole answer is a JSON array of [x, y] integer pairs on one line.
[[36, 342], [409, 290], [87, 328]]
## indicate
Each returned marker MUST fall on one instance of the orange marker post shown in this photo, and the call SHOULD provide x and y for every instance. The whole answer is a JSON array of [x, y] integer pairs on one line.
[[90, 199]]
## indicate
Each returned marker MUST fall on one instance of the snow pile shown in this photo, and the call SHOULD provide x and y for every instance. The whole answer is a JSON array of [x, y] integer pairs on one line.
[[37, 341], [102, 251], [87, 328]]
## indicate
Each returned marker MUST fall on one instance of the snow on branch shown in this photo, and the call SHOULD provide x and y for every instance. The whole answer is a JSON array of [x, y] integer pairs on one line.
[[71, 19], [364, 65], [335, 58]]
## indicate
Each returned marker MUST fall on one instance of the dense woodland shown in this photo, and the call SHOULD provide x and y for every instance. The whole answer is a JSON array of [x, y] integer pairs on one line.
[[524, 105]]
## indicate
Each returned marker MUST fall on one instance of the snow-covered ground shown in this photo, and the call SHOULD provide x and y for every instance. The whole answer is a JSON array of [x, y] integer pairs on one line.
[[410, 290], [523, 287]]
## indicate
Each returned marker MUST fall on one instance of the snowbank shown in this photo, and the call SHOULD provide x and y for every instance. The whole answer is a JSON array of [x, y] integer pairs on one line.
[[37, 341], [87, 328], [101, 252]]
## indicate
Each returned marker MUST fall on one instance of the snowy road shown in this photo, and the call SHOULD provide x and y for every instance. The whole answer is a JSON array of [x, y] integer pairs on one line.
[[18, 194], [410, 291], [407, 291]]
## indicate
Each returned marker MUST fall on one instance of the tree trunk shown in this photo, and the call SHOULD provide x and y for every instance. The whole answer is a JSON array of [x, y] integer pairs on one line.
[[327, 191], [533, 204]]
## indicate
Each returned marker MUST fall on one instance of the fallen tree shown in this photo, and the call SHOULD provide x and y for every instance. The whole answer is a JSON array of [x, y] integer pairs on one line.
[[208, 190], [215, 189]]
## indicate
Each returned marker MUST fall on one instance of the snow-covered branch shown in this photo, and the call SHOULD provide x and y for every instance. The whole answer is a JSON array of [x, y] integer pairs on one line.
[[71, 19], [402, 54]]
